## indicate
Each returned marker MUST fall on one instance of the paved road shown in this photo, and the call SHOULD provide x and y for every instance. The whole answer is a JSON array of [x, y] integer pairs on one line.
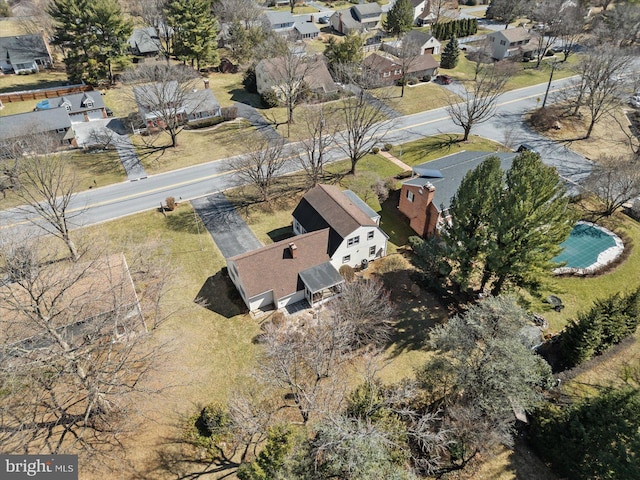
[[106, 203], [230, 232]]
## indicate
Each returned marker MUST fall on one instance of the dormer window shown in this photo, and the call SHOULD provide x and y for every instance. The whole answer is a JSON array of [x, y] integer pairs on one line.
[[67, 107], [88, 103]]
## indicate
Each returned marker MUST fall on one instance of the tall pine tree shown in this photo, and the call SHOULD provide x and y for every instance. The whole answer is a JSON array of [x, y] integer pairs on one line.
[[195, 31], [92, 35], [450, 54], [399, 19]]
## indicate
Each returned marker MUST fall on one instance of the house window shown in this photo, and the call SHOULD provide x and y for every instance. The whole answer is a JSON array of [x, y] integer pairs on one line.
[[68, 108], [61, 130], [397, 72], [346, 259], [353, 241], [410, 195], [88, 103], [372, 250], [503, 42], [370, 235], [386, 74]]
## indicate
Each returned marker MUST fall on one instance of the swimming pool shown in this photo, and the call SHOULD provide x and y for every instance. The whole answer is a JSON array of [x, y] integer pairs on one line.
[[588, 248]]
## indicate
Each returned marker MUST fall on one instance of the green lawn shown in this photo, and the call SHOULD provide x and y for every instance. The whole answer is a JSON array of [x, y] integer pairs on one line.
[[297, 10], [417, 98], [194, 146], [13, 108], [431, 148], [228, 89], [120, 100], [43, 79]]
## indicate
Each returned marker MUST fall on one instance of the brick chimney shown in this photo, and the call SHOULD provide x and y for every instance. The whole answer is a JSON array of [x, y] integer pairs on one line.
[[294, 250]]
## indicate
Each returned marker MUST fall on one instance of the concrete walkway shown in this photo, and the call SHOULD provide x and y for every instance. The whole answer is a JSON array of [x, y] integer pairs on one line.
[[230, 232], [251, 114], [129, 158], [395, 160]]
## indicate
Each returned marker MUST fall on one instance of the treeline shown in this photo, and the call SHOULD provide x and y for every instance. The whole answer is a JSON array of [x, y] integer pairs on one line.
[[606, 324], [455, 28]]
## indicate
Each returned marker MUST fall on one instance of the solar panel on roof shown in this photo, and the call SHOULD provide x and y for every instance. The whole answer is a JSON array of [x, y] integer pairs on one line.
[[428, 172]]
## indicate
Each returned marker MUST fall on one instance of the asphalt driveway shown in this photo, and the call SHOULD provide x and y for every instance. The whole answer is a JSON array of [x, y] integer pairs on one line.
[[230, 232]]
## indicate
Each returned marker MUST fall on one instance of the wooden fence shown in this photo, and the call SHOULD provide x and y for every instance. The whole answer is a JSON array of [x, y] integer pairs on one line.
[[43, 93]]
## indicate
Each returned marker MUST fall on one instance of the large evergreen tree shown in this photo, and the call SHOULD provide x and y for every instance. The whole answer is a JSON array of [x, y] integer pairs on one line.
[[472, 208], [530, 223], [195, 31], [399, 19], [92, 35], [344, 56], [450, 54]]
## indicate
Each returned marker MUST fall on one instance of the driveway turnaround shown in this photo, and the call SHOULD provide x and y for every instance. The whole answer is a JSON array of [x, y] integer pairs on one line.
[[231, 234]]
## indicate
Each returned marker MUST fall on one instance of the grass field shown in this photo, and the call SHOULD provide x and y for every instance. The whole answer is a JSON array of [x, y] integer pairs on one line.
[[417, 98], [194, 146], [43, 79], [14, 108]]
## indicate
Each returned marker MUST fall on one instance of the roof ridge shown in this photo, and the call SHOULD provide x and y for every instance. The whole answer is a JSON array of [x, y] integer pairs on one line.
[[342, 206], [278, 244]]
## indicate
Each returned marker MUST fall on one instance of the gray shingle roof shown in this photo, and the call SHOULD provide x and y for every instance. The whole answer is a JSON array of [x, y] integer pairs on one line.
[[363, 9], [79, 102], [34, 122], [306, 28], [145, 40], [23, 48], [279, 18], [454, 167]]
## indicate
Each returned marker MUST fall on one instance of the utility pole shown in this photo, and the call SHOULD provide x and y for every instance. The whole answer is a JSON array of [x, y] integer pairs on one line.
[[546, 94]]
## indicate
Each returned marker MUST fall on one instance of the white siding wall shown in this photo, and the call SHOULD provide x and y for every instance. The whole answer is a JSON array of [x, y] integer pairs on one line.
[[262, 300], [361, 250], [288, 300]]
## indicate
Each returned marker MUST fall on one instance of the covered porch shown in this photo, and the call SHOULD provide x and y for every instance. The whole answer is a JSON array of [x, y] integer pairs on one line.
[[321, 283]]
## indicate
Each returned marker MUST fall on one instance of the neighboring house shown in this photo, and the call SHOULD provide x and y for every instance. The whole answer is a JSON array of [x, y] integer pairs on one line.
[[358, 18], [161, 100], [81, 107], [388, 69], [418, 7], [286, 272], [16, 130], [355, 236], [271, 73], [105, 287], [145, 42], [279, 22], [24, 53], [428, 13], [284, 23], [426, 197], [512, 42], [414, 42]]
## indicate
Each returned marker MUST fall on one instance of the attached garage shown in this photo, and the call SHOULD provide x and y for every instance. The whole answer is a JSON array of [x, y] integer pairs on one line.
[[95, 115]]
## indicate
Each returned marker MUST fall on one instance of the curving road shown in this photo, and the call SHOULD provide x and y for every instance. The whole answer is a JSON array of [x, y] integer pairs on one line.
[[110, 202]]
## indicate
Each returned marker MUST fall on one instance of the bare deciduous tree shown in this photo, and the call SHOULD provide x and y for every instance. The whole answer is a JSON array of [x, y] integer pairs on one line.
[[165, 93], [600, 85], [245, 12], [408, 53], [320, 136], [47, 186], [365, 308], [615, 180], [73, 352], [261, 164], [362, 123], [479, 100], [570, 30], [546, 13]]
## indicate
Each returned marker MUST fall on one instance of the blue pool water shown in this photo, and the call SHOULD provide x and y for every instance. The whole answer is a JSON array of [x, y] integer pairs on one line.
[[584, 245]]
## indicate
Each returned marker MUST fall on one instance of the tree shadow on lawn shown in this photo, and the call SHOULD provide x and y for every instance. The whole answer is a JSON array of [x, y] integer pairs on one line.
[[182, 458], [185, 221], [218, 294], [240, 95], [418, 311], [444, 141]]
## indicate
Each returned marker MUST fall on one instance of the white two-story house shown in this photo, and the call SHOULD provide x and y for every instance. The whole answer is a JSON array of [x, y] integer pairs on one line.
[[355, 236], [332, 228]]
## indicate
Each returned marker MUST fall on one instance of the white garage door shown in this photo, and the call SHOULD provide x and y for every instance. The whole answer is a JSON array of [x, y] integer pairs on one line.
[[76, 117], [95, 115]]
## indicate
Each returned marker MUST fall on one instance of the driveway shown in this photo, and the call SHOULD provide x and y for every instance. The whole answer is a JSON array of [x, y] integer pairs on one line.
[[251, 114], [111, 131], [230, 232]]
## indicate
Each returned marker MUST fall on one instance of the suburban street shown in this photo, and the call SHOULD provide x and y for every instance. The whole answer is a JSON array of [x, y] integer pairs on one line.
[[118, 200]]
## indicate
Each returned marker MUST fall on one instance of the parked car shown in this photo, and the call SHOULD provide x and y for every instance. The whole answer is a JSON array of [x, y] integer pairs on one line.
[[444, 79], [324, 20], [525, 147], [109, 112]]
